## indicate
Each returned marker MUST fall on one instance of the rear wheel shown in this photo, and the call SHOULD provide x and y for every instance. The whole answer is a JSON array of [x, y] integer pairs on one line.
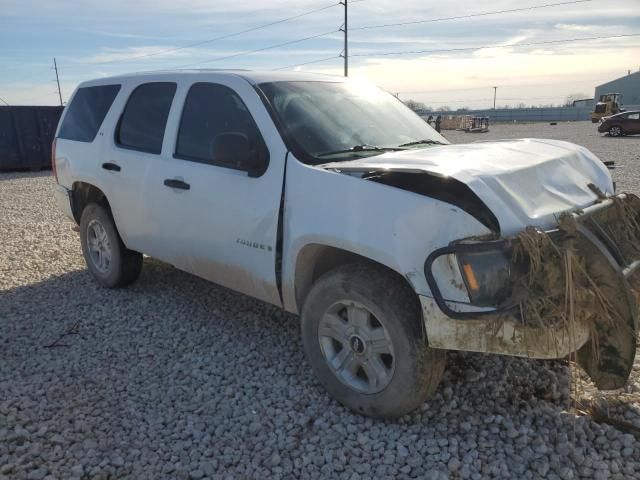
[[363, 336], [108, 260], [615, 131]]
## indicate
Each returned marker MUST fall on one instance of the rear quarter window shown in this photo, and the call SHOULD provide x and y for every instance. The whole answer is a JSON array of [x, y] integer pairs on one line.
[[86, 112]]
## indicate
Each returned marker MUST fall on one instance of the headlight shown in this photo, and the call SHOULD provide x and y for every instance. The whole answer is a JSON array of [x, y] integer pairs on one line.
[[486, 276]]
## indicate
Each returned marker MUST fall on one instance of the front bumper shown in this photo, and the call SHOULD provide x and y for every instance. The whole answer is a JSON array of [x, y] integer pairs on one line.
[[503, 334], [62, 196], [579, 292]]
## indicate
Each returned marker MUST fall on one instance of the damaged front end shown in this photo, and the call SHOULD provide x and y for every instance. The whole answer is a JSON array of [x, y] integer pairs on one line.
[[546, 294]]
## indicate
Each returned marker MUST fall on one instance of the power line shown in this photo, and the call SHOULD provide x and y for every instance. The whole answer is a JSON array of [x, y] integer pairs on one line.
[[31, 75], [222, 37], [248, 52], [480, 47], [4, 101], [319, 60], [486, 87], [460, 17], [489, 99]]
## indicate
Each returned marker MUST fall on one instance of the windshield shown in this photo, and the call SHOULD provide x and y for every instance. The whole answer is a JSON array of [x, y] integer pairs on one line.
[[333, 121]]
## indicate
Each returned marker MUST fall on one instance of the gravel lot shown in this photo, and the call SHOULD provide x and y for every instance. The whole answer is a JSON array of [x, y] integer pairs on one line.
[[177, 378]]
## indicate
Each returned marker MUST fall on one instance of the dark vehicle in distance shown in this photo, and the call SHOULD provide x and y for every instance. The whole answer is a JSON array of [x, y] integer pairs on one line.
[[625, 123]]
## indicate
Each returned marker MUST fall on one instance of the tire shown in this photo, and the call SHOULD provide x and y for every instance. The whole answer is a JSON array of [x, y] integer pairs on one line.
[[116, 266], [368, 320], [615, 131]]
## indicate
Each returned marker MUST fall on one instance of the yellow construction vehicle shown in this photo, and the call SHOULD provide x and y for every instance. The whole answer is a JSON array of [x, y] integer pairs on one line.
[[608, 104]]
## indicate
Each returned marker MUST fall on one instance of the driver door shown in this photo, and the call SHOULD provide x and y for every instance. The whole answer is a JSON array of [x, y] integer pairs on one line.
[[220, 222]]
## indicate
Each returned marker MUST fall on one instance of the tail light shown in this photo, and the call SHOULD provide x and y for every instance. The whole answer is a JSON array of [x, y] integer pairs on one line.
[[53, 159]]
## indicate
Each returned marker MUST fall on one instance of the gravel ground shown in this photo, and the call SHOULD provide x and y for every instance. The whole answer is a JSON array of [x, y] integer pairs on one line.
[[177, 378]]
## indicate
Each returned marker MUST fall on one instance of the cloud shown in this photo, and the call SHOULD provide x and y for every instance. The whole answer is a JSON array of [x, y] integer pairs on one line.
[[95, 38], [114, 34], [112, 55], [572, 27]]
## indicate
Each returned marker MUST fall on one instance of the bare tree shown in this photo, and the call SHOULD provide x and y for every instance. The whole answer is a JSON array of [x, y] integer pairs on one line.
[[444, 108], [573, 97], [415, 105]]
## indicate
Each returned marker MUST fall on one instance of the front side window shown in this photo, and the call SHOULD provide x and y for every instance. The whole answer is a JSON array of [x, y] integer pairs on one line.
[[144, 119], [333, 121], [214, 121], [86, 112]]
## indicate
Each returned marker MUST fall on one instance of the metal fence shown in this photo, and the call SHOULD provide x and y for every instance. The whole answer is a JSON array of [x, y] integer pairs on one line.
[[26, 134], [554, 114]]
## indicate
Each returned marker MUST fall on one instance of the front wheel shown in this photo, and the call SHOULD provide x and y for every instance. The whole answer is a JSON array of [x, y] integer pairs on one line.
[[363, 336], [108, 260], [615, 131]]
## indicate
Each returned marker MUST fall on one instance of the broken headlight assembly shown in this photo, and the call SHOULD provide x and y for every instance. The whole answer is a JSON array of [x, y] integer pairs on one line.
[[486, 269], [486, 275]]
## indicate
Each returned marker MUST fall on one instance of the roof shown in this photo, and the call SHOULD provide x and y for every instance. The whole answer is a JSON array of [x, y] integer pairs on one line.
[[624, 113], [620, 78], [253, 77]]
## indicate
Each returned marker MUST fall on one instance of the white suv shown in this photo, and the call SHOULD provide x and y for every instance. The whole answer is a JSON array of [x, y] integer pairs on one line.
[[331, 199]]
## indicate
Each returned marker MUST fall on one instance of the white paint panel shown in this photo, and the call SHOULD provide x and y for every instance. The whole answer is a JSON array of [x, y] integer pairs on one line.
[[391, 226], [523, 182]]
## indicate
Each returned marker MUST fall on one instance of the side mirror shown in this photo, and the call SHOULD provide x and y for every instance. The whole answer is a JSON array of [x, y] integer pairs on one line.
[[234, 148]]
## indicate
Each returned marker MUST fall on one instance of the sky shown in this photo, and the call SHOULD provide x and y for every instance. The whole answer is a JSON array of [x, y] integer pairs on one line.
[[455, 62]]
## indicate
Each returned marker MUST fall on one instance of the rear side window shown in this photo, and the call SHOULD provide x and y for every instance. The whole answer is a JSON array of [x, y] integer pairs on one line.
[[211, 110], [86, 112], [144, 119]]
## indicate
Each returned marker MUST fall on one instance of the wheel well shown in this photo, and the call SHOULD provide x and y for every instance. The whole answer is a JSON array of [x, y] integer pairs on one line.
[[315, 260], [84, 194]]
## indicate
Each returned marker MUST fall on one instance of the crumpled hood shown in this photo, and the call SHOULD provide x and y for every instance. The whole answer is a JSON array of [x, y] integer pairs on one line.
[[524, 182]]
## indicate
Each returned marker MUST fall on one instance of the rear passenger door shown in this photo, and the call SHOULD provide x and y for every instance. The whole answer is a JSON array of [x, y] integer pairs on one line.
[[632, 123], [133, 148], [220, 222]]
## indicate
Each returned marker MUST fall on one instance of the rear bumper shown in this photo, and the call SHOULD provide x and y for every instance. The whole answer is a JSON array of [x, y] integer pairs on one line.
[[62, 196]]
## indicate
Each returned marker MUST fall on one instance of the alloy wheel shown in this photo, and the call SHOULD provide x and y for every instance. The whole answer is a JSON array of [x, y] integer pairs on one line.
[[99, 246], [357, 347]]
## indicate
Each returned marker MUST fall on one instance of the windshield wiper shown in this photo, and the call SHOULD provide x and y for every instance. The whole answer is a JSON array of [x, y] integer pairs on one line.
[[421, 142], [361, 148]]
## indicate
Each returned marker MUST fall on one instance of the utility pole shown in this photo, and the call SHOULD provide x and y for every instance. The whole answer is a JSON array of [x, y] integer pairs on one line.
[[495, 91], [345, 30], [55, 66]]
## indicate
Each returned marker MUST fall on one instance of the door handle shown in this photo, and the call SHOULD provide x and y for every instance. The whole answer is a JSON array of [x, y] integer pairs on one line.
[[173, 183], [111, 166]]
